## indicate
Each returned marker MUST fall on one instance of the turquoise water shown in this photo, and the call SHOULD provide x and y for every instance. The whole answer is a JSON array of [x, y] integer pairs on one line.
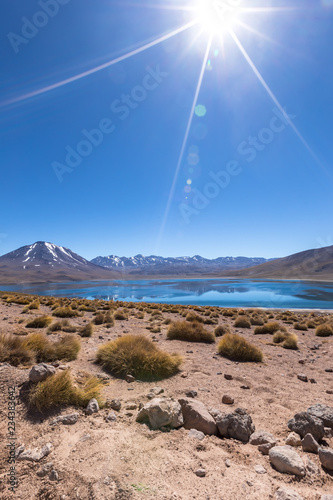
[[214, 292]]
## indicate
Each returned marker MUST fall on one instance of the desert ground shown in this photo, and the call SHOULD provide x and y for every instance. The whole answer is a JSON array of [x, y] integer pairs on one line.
[[120, 458]]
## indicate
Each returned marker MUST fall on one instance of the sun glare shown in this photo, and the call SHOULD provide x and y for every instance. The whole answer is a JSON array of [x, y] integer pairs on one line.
[[217, 16]]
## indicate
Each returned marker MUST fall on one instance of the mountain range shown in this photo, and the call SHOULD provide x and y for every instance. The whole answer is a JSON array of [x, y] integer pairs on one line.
[[156, 265], [44, 262]]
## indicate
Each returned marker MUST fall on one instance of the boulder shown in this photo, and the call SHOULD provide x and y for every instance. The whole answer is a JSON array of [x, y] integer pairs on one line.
[[286, 460], [41, 372], [161, 413], [323, 412], [326, 458], [283, 494], [93, 407], [196, 416], [303, 423], [237, 425], [309, 444]]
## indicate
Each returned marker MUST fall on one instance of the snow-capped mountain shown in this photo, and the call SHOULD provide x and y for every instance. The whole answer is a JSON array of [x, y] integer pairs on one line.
[[44, 261], [155, 264]]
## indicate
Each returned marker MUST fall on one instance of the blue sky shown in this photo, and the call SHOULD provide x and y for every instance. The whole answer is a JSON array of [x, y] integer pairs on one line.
[[121, 193]]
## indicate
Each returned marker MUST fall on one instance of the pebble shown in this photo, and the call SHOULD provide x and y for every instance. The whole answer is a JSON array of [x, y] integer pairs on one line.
[[200, 473], [54, 476], [302, 377], [227, 400], [227, 376], [191, 394], [260, 469], [228, 463], [193, 433], [130, 379], [115, 404]]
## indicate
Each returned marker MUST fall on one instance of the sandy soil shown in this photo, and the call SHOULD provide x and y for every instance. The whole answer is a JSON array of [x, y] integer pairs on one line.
[[126, 460]]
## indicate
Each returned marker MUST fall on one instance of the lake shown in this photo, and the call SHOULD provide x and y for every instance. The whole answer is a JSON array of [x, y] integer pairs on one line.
[[205, 292]]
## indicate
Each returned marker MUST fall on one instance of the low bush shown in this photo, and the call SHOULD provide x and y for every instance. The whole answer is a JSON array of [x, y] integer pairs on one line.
[[119, 315], [138, 356], [236, 348], [66, 349], [40, 322], [61, 326], [288, 340], [190, 332], [300, 326], [191, 316], [324, 330]]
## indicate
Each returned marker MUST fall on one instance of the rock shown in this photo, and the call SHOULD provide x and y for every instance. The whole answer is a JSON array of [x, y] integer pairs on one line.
[[329, 370], [111, 417], [227, 400], [326, 458], [286, 460], [313, 381], [161, 412], [196, 416], [293, 439], [53, 475], [302, 377], [130, 379], [237, 425], [329, 391], [35, 455], [310, 467], [303, 423], [228, 377], [228, 463], [41, 372], [328, 432], [191, 394], [45, 469], [200, 473], [245, 387], [309, 444], [132, 406], [193, 433], [323, 412], [115, 404], [260, 469], [85, 438], [70, 419], [261, 437], [156, 390], [283, 494], [93, 407]]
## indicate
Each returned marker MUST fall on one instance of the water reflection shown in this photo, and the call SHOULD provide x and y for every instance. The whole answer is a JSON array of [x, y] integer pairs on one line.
[[231, 293]]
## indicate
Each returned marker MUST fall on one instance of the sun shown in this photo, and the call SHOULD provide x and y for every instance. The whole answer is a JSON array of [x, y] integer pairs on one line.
[[217, 16]]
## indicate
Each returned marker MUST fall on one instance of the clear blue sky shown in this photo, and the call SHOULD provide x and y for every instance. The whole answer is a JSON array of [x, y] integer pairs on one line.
[[275, 200]]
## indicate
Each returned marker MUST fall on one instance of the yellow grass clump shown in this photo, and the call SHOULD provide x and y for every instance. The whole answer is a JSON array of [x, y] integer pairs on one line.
[[270, 328], [64, 312], [242, 322], [221, 330], [40, 322], [138, 356], [14, 351], [288, 340], [324, 330], [66, 349], [190, 332], [236, 348], [59, 390]]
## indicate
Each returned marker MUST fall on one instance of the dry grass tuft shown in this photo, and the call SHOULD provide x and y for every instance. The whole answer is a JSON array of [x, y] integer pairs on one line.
[[190, 332], [221, 330], [14, 351], [64, 312], [87, 330], [40, 322], [242, 322], [236, 348], [59, 391], [324, 330], [138, 356], [270, 328], [288, 340]]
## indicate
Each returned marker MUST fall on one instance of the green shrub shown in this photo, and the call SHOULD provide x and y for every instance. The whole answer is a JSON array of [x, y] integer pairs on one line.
[[40, 322], [324, 330], [190, 332], [138, 356], [236, 348]]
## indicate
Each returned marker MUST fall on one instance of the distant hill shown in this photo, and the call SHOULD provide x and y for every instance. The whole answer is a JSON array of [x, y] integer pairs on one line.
[[45, 263], [310, 264], [155, 265]]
